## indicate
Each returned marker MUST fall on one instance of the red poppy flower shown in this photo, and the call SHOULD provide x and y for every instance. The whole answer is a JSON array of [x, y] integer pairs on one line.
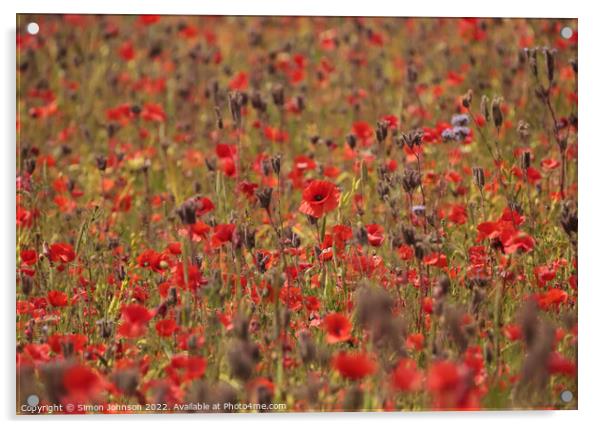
[[61, 252], [134, 317], [354, 366], [240, 81], [29, 256], [81, 380], [72, 342], [405, 252], [319, 198], [443, 377], [185, 368], [338, 328], [415, 341], [57, 298], [166, 327], [375, 234], [406, 377], [222, 234]]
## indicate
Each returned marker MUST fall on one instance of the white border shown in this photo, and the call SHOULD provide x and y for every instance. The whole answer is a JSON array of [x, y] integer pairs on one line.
[[590, 159]]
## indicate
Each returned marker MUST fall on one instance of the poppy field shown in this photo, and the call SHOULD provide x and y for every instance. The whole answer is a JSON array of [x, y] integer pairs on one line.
[[295, 214]]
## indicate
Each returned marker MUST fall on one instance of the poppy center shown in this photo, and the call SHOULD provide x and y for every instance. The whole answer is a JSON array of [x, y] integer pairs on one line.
[[318, 197]]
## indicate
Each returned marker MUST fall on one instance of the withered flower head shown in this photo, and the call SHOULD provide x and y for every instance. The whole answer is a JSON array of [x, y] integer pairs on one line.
[[187, 212], [264, 196], [410, 180]]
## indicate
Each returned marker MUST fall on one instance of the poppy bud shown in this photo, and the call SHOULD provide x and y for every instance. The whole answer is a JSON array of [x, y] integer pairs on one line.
[[467, 99], [496, 111], [187, 212], [276, 161], [381, 131], [220, 121], [278, 95], [351, 140], [257, 102], [30, 165], [235, 102]]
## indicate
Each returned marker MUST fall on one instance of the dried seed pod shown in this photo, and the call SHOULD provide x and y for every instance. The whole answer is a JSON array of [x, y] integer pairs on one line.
[[485, 108], [532, 57], [412, 138], [496, 111], [525, 160], [411, 180], [478, 176], [381, 131], [276, 162], [550, 55], [235, 100]]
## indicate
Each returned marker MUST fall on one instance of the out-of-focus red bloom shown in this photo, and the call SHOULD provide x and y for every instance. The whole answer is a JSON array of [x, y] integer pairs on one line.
[[166, 327], [57, 298], [363, 131], [156, 261], [375, 234], [338, 328], [185, 368], [406, 377], [126, 51], [29, 256], [240, 81], [67, 343], [551, 298], [82, 381], [443, 376], [558, 364], [354, 366], [512, 332], [544, 274], [415, 341], [61, 252], [405, 252], [319, 198], [458, 214], [149, 19], [222, 234], [153, 112], [135, 318]]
